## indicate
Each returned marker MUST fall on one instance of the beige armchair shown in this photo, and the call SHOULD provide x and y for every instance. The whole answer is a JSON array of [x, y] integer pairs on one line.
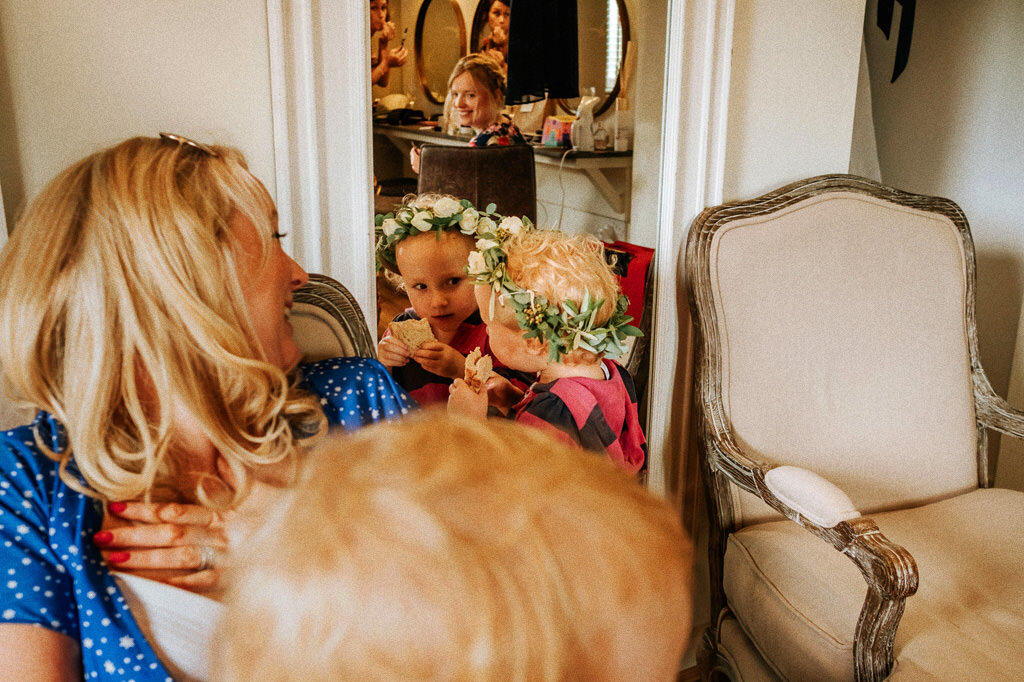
[[328, 322], [838, 377]]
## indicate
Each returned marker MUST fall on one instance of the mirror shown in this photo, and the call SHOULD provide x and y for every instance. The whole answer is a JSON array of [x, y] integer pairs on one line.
[[603, 33], [440, 42], [490, 21]]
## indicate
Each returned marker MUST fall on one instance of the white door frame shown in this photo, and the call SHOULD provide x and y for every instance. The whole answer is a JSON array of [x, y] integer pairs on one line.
[[695, 106], [319, 54], [319, 72]]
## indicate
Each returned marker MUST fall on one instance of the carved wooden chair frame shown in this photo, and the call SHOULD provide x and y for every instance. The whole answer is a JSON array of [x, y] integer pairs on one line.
[[888, 569], [335, 301]]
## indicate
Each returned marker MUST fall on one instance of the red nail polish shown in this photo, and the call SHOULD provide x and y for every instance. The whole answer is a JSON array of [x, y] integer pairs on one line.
[[118, 557], [104, 537], [117, 507]]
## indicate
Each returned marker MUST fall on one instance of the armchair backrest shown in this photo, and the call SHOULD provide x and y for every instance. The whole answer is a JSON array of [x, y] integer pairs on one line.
[[836, 327], [505, 176], [328, 322]]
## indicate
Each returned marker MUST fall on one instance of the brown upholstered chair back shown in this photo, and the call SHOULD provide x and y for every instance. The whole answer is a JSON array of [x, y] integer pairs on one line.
[[502, 175]]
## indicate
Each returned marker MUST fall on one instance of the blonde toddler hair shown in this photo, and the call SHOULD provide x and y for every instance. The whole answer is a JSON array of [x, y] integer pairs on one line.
[[443, 549], [119, 297], [563, 267]]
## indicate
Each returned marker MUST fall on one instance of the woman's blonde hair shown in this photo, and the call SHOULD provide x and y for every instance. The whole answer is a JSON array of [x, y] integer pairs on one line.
[[563, 267], [119, 299], [444, 549], [485, 70]]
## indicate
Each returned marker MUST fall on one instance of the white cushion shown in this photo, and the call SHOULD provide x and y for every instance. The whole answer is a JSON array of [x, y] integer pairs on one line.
[[816, 499]]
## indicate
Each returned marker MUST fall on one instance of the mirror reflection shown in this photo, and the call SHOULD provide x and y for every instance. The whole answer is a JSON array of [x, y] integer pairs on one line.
[[603, 28], [386, 55], [440, 43], [490, 29]]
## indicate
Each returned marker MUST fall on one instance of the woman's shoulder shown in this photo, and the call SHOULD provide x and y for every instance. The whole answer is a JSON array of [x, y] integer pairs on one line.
[[503, 133], [335, 372], [20, 451], [355, 391]]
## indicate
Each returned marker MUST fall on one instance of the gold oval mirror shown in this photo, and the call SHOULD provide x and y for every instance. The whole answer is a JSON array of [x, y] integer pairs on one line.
[[603, 33], [440, 42]]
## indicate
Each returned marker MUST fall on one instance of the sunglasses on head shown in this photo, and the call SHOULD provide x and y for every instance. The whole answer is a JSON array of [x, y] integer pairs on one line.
[[188, 142]]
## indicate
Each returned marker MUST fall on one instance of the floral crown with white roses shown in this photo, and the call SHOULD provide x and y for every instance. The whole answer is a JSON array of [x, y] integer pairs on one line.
[[425, 213], [567, 326]]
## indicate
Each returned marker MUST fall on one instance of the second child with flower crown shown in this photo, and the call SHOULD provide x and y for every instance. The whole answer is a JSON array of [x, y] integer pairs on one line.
[[427, 241], [552, 307]]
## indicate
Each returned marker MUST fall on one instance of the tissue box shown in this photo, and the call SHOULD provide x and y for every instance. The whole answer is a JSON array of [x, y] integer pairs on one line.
[[557, 131]]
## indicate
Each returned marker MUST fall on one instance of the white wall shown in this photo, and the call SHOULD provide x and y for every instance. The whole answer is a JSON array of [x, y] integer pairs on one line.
[[78, 76], [792, 92], [950, 126]]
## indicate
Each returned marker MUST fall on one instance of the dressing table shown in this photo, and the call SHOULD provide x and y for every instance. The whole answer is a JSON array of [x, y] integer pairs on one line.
[[609, 171]]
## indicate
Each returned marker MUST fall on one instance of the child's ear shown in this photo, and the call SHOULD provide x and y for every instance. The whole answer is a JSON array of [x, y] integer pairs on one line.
[[535, 346]]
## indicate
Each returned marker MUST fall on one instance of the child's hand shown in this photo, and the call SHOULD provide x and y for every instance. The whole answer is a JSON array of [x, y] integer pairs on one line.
[[392, 353], [465, 401], [441, 359], [502, 393]]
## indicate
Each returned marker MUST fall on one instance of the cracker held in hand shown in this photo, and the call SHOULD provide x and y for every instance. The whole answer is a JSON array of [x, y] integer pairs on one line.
[[413, 333], [478, 369]]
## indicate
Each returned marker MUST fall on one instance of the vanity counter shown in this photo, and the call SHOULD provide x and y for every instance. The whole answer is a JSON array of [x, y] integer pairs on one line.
[[609, 171]]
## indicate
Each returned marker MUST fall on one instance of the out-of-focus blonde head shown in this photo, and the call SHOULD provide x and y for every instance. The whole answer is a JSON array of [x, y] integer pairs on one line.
[[119, 298], [563, 267], [440, 549]]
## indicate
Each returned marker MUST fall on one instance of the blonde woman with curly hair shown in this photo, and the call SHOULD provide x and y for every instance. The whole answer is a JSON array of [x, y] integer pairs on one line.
[[476, 99], [461, 550], [553, 307], [144, 298]]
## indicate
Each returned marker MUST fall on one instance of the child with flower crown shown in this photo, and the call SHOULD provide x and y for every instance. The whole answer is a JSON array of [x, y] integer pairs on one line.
[[427, 241], [552, 306]]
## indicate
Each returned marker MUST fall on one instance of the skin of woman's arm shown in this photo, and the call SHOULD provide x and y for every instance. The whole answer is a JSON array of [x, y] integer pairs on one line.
[[29, 653]]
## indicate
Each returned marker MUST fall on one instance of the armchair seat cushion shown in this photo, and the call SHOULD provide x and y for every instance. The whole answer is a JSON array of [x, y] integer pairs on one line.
[[794, 593]]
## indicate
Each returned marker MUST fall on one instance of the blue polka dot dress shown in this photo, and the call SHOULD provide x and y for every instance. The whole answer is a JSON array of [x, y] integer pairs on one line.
[[355, 392], [53, 574]]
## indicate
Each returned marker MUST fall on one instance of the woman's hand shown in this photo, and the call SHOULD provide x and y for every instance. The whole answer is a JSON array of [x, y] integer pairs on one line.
[[392, 353], [465, 401], [441, 359], [414, 159], [395, 57], [502, 393], [389, 31], [184, 545]]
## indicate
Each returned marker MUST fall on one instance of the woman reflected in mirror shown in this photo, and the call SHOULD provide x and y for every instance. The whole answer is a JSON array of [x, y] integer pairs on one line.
[[496, 43], [476, 99], [386, 57]]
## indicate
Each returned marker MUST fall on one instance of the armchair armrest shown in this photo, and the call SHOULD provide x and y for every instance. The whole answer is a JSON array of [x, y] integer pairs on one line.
[[994, 412], [810, 495]]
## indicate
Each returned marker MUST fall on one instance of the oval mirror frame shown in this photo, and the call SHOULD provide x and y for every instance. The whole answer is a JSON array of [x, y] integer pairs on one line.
[[421, 20], [563, 104]]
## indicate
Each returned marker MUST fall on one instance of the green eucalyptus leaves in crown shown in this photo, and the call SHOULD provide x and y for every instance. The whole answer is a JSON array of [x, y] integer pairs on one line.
[[566, 327], [432, 212]]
